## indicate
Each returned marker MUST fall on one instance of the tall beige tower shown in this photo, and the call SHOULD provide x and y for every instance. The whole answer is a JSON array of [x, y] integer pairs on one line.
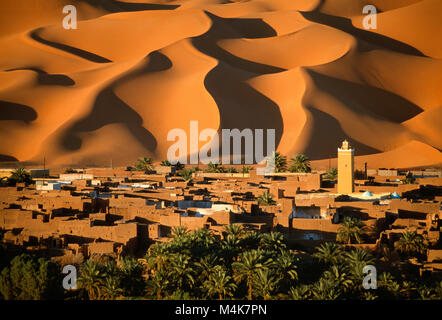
[[345, 168]]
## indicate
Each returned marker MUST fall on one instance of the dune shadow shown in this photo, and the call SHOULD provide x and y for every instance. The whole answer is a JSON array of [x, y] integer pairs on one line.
[[45, 78], [16, 111], [327, 133], [72, 50], [6, 158], [114, 6], [372, 100], [108, 109], [344, 24], [235, 28], [240, 106]]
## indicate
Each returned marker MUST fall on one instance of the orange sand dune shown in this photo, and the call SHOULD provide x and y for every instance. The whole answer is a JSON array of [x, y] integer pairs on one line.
[[135, 69]]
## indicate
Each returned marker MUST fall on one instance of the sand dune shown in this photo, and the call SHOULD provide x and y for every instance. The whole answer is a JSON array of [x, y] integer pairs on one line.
[[135, 69]]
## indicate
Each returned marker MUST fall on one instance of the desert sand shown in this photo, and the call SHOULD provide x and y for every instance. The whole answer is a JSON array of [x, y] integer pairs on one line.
[[133, 70]]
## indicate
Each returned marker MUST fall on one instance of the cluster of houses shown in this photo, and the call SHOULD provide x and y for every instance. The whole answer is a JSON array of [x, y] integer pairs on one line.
[[116, 211]]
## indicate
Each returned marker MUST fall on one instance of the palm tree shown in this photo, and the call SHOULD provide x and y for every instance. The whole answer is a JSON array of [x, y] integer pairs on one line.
[[408, 288], [411, 243], [409, 179], [143, 164], [359, 255], [219, 283], [249, 263], [205, 266], [157, 284], [332, 174], [300, 163], [111, 288], [215, 168], [91, 279], [426, 293], [285, 266], [158, 257], [385, 279], [329, 252], [131, 276], [438, 289], [369, 296], [387, 286], [201, 238], [326, 289], [351, 230], [181, 271], [187, 175], [246, 169], [279, 162], [179, 231], [266, 199], [355, 261], [273, 241], [179, 166], [236, 230], [230, 247], [165, 163], [200, 234], [337, 275], [20, 175], [266, 283], [301, 292], [251, 240]]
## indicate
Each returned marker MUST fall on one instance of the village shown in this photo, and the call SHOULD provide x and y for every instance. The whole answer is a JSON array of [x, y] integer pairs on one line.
[[116, 211]]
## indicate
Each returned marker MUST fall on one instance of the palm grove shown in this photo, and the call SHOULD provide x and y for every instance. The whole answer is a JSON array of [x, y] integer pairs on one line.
[[241, 265]]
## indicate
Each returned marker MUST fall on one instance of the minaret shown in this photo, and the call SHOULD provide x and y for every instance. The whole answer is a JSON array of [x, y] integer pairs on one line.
[[345, 168]]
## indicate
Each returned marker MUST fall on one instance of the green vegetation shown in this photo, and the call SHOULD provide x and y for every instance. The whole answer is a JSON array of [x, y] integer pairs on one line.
[[214, 168], [19, 175], [143, 164], [351, 231], [30, 278], [199, 265], [246, 169], [179, 166], [332, 174], [409, 179], [266, 199], [411, 244], [186, 174], [165, 163], [300, 163], [279, 161]]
